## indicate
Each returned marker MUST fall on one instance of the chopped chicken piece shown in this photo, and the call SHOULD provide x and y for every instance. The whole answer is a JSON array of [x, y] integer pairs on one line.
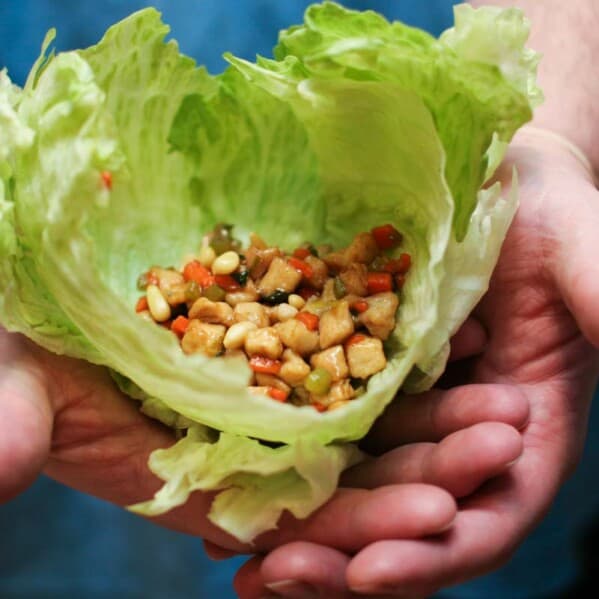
[[295, 335], [365, 357], [363, 248], [264, 342], [294, 370], [203, 338], [320, 272], [252, 311], [379, 319], [248, 294], [340, 391], [260, 259], [280, 275], [333, 361], [336, 325], [269, 380], [328, 292], [212, 312], [355, 279]]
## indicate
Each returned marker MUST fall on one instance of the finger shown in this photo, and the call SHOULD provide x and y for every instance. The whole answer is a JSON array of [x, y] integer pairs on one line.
[[470, 340], [460, 463], [25, 418], [354, 518], [433, 415], [216, 552], [300, 570], [248, 583]]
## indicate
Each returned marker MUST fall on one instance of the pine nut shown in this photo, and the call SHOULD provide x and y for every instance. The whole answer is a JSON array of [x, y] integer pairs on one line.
[[206, 256], [283, 312], [236, 335], [159, 308], [297, 301], [226, 263]]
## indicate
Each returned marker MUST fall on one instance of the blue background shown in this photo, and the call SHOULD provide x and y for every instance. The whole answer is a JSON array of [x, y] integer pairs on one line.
[[56, 542]]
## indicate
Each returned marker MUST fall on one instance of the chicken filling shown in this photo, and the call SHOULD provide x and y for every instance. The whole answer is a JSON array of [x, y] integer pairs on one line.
[[310, 324]]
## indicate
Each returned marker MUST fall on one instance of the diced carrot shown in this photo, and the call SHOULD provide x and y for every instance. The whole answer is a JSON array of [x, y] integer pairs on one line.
[[306, 293], [227, 282], [378, 282], [399, 265], [179, 325], [310, 320], [302, 267], [319, 407], [194, 271], [106, 177], [142, 304], [386, 237], [355, 338], [277, 394], [360, 306], [301, 253], [265, 365]]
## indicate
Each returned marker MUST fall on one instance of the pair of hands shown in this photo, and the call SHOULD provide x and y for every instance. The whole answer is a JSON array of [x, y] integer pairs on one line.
[[500, 439]]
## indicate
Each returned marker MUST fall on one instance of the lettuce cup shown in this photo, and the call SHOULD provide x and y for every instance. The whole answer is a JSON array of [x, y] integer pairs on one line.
[[123, 155]]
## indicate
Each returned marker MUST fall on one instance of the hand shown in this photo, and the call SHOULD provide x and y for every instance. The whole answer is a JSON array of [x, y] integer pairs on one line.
[[543, 324], [67, 418]]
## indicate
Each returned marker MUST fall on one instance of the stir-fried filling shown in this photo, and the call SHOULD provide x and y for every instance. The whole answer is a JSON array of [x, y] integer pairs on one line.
[[310, 324]]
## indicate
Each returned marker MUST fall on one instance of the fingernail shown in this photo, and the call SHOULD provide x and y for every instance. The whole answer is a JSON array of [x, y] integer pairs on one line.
[[293, 589]]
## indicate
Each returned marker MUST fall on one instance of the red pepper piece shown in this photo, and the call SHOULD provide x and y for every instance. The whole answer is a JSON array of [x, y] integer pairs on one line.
[[400, 280], [386, 237], [142, 304], [306, 292], [227, 282], [319, 407], [399, 265], [277, 394], [302, 267], [310, 320], [378, 282], [194, 271], [179, 325], [265, 365], [106, 177], [360, 306], [301, 253]]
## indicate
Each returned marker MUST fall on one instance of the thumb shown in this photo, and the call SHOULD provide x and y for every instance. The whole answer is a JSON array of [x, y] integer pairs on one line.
[[25, 418]]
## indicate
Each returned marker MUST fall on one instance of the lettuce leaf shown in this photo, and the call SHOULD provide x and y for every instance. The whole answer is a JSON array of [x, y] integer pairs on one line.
[[355, 123]]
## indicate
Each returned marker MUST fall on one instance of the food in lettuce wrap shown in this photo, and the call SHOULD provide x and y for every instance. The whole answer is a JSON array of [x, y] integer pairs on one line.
[[122, 155], [310, 325]]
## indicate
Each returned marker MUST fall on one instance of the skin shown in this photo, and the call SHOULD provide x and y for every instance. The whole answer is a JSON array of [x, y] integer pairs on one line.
[[543, 327]]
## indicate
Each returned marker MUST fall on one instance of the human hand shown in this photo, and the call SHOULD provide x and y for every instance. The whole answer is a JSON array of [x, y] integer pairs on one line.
[[68, 418], [543, 326]]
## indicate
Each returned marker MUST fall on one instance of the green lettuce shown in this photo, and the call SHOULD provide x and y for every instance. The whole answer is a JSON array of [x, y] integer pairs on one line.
[[356, 122]]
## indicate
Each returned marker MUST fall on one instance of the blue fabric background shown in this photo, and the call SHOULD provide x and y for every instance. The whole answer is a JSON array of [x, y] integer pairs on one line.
[[57, 543]]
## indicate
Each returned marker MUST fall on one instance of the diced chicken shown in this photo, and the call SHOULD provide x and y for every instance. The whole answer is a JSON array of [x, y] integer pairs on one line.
[[248, 294], [328, 292], [280, 275], [203, 338], [333, 361], [341, 391], [355, 279], [294, 370], [295, 335], [171, 283], [365, 357], [264, 342], [379, 319], [211, 312], [254, 390], [336, 325], [259, 260], [363, 248], [176, 294], [320, 272], [252, 311], [269, 380]]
